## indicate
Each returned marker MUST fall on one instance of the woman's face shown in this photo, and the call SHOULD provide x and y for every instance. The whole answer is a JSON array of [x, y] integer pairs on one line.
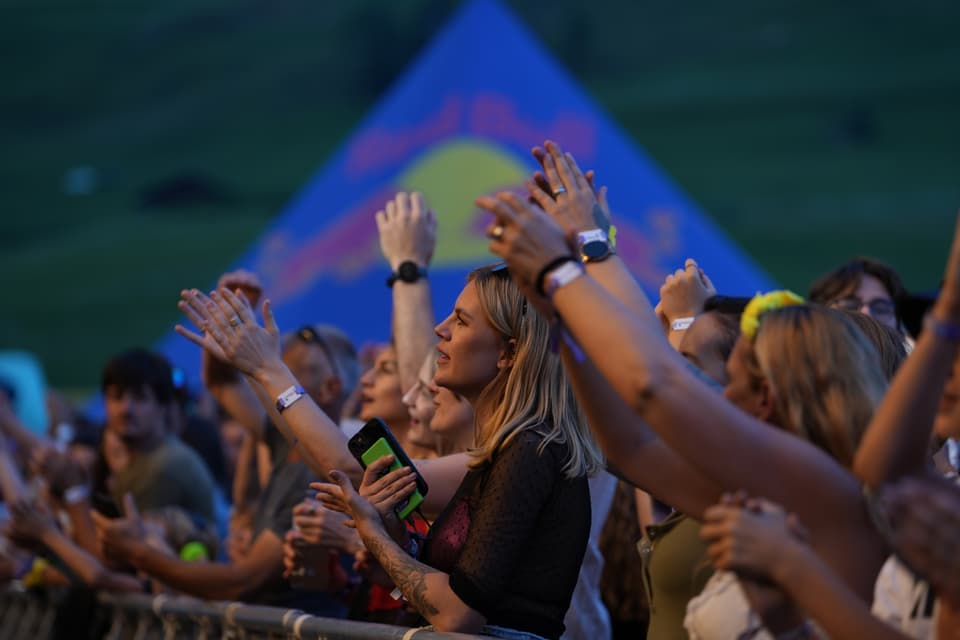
[[419, 399], [741, 389], [699, 346], [946, 424], [470, 352], [452, 413], [380, 390]]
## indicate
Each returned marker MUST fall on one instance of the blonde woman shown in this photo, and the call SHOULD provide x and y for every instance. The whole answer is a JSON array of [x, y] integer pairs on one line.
[[503, 557], [514, 534], [805, 369]]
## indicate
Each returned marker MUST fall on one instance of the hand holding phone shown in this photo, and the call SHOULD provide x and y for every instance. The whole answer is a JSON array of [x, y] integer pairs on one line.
[[373, 442]]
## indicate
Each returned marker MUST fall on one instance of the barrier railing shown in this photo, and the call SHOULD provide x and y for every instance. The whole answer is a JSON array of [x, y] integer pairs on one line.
[[29, 615]]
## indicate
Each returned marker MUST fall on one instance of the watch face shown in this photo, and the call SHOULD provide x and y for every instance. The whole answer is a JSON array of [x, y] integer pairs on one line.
[[595, 249], [408, 272]]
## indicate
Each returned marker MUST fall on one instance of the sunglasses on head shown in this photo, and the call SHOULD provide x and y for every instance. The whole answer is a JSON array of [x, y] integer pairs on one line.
[[309, 335]]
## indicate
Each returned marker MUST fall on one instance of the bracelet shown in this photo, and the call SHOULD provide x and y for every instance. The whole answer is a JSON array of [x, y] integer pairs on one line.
[[682, 324], [561, 277], [948, 331], [553, 264]]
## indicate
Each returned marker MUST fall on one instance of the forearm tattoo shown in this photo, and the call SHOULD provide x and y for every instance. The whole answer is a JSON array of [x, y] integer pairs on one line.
[[409, 575]]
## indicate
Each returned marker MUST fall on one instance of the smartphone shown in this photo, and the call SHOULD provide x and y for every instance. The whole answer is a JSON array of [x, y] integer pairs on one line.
[[374, 441]]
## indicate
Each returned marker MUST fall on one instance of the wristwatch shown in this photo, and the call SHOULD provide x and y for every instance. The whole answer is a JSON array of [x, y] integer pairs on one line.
[[408, 271], [594, 245]]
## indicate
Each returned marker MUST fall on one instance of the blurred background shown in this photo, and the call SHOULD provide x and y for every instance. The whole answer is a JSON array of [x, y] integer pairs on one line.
[[147, 145]]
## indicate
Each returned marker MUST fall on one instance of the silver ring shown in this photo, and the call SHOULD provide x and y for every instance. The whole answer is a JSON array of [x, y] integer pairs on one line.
[[235, 321], [497, 232], [558, 191]]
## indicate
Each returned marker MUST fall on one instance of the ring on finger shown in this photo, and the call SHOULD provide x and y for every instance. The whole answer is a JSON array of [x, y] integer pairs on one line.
[[235, 321], [559, 190], [497, 232]]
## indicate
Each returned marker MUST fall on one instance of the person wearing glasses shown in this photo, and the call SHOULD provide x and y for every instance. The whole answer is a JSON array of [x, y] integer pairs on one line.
[[864, 285]]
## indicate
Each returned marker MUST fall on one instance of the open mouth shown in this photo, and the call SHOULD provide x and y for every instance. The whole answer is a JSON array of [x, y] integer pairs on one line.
[[442, 357]]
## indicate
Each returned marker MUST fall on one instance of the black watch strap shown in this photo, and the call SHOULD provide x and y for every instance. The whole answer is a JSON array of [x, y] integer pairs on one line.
[[407, 271]]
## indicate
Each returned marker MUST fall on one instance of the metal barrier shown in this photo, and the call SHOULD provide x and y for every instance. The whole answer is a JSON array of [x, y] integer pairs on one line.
[[32, 615]]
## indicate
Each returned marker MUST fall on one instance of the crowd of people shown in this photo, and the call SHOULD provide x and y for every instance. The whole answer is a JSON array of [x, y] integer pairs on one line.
[[766, 467]]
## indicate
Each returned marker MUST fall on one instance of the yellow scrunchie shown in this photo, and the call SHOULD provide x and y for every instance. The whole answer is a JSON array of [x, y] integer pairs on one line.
[[761, 304]]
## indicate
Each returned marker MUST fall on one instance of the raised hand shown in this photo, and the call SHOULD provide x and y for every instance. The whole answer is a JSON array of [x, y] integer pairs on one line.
[[566, 193], [193, 304], [408, 230], [231, 332], [247, 282], [684, 292], [523, 235]]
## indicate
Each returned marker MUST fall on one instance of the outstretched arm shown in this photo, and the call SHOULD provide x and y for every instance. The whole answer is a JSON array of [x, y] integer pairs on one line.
[[408, 233], [631, 447], [232, 334], [232, 330], [694, 420], [896, 442]]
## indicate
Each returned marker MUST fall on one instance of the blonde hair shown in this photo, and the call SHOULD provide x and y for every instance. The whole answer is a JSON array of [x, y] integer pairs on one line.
[[533, 393], [825, 376]]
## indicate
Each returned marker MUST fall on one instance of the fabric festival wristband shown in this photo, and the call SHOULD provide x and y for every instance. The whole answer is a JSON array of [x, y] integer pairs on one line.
[[286, 399], [561, 277], [553, 264], [681, 324]]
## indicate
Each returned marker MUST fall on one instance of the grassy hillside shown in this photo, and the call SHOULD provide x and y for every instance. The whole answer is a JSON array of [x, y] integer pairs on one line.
[[810, 132]]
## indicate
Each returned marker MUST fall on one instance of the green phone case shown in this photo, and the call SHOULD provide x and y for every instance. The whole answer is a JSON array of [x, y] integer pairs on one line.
[[382, 448]]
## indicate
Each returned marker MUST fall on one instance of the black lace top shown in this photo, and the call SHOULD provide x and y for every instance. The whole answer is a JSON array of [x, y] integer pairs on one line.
[[513, 537]]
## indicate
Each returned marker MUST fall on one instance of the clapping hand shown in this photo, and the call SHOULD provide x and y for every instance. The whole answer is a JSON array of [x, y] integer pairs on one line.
[[684, 293], [567, 193], [408, 230], [230, 329]]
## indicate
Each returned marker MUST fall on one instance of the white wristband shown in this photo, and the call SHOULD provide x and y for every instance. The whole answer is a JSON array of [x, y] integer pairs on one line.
[[76, 494], [288, 397], [681, 324], [562, 276]]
